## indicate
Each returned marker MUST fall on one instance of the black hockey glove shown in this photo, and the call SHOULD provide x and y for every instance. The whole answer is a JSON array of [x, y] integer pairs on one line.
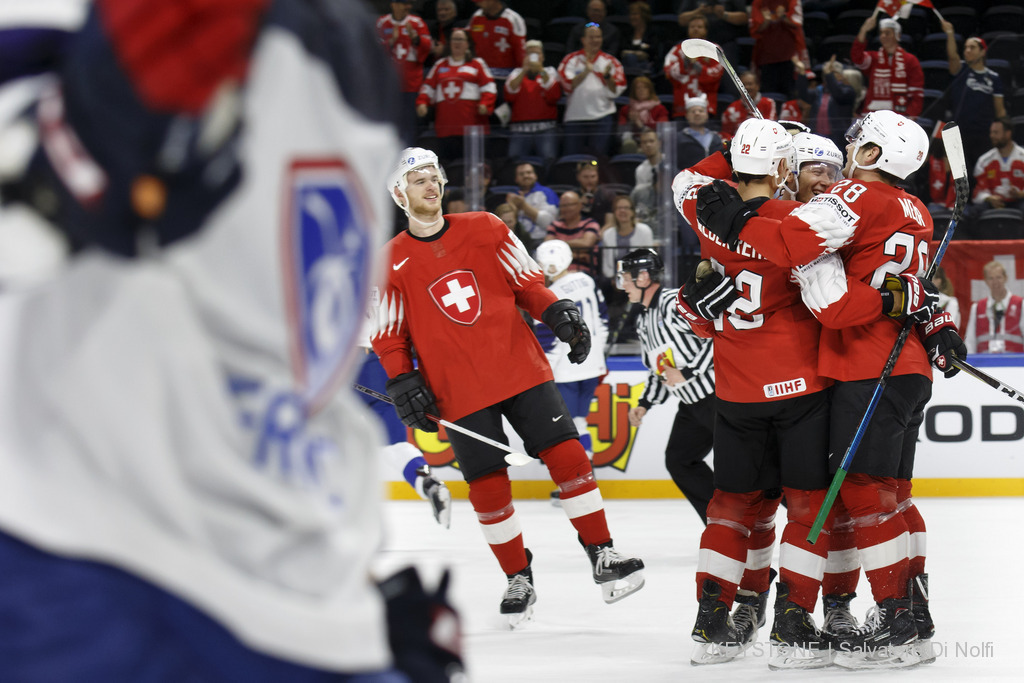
[[909, 296], [942, 343], [722, 211], [423, 628], [564, 320], [413, 401], [710, 294]]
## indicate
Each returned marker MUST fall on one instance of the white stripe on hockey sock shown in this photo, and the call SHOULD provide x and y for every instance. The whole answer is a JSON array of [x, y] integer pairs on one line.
[[801, 561], [885, 554], [719, 566], [759, 558], [840, 561], [583, 504], [503, 531], [918, 544]]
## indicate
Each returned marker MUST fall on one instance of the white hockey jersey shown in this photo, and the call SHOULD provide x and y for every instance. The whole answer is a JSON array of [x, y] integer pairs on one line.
[[178, 416], [582, 289]]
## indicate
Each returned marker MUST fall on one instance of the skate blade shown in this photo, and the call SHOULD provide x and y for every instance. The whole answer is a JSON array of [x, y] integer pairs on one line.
[[520, 619], [716, 653], [925, 651], [444, 515], [613, 591], [791, 657], [891, 657]]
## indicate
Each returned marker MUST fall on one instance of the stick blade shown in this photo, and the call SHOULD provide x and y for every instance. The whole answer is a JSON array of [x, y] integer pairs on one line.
[[516, 459], [698, 47], [954, 150]]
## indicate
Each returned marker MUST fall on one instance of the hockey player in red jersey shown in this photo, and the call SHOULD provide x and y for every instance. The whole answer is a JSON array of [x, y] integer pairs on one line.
[[453, 287], [868, 229]]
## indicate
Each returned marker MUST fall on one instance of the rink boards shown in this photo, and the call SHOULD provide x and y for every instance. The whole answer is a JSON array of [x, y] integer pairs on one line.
[[971, 442]]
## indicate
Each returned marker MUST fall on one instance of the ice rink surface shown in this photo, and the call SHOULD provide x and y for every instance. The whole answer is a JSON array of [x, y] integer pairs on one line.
[[974, 564]]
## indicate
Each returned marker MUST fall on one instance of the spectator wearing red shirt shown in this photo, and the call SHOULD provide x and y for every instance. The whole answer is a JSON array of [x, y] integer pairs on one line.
[[407, 39], [499, 35], [533, 90], [643, 112], [462, 91], [736, 113], [999, 173], [895, 79], [692, 77], [776, 26]]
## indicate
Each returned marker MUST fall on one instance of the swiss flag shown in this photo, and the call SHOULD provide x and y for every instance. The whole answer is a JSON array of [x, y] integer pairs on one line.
[[902, 7], [890, 7]]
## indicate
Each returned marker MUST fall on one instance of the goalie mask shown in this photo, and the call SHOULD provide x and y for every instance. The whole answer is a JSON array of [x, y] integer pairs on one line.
[[904, 144], [759, 146], [554, 257], [412, 159]]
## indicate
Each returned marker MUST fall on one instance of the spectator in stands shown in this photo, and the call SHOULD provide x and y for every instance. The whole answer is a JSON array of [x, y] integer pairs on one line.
[[941, 189], [407, 40], [447, 20], [643, 111], [645, 186], [976, 96], [455, 200], [895, 79], [508, 215], [597, 13], [592, 79], [582, 233], [833, 101], [947, 295], [696, 125], [736, 113], [641, 48], [596, 201], [777, 27], [462, 91], [533, 91], [499, 35], [994, 324], [999, 173], [536, 205], [621, 235], [726, 21], [692, 77]]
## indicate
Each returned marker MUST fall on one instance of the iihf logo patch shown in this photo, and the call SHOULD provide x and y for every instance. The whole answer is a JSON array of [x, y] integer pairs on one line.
[[327, 269]]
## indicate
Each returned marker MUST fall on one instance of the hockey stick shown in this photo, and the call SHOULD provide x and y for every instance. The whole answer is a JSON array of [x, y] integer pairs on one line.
[[698, 47], [988, 379], [958, 166], [514, 458]]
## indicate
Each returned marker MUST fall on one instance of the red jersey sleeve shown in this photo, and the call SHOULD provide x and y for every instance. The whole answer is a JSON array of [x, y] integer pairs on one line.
[[524, 275]]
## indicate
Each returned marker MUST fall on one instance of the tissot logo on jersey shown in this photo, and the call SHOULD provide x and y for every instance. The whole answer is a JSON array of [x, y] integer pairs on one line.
[[793, 386], [457, 294]]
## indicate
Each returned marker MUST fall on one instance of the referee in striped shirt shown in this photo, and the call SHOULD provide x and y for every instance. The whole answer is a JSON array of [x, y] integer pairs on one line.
[[681, 367]]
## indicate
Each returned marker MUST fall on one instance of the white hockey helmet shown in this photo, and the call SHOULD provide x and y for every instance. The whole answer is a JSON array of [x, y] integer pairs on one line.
[[412, 159], [554, 256], [759, 146], [816, 149], [904, 143]]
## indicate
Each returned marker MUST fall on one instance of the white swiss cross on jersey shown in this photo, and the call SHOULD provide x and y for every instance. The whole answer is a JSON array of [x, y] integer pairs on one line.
[[458, 296], [452, 90]]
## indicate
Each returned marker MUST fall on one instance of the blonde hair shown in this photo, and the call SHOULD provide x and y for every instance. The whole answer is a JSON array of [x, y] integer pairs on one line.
[[945, 286], [855, 79]]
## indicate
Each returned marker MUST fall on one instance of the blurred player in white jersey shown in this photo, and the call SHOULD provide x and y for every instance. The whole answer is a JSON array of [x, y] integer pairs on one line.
[[575, 382]]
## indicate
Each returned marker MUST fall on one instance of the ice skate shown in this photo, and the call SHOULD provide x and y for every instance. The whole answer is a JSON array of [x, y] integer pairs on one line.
[[884, 641], [519, 597], [618, 576], [715, 633], [556, 498], [922, 619], [839, 620], [796, 643], [748, 616], [438, 495]]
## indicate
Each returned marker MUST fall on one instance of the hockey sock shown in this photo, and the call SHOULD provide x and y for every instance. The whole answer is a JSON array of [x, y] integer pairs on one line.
[[723, 545], [918, 546], [491, 497], [842, 568], [801, 564], [581, 499], [756, 578], [882, 534]]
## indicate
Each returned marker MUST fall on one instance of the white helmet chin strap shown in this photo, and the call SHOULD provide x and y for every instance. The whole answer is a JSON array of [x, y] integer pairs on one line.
[[854, 165]]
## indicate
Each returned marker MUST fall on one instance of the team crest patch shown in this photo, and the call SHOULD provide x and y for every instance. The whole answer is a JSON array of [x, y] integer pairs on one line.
[[328, 254], [457, 294]]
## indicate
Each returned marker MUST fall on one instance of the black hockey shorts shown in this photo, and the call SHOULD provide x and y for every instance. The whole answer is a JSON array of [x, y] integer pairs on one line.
[[890, 440], [538, 415], [765, 445]]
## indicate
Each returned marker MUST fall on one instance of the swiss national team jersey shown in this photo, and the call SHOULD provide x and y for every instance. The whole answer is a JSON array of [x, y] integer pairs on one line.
[[408, 56], [999, 175], [456, 89], [501, 41], [692, 77], [891, 234], [766, 343], [453, 297], [737, 112]]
